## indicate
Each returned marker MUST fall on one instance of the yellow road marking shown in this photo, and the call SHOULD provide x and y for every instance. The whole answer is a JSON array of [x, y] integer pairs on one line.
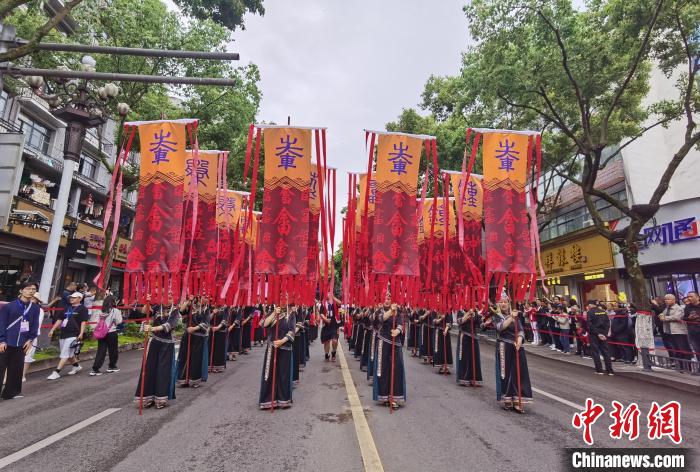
[[370, 456]]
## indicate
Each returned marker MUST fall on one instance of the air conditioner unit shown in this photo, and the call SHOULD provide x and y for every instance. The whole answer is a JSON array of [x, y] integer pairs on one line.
[[587, 223]]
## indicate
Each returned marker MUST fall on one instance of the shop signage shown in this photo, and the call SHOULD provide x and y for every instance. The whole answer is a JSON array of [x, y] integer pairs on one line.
[[593, 275], [684, 229], [587, 254]]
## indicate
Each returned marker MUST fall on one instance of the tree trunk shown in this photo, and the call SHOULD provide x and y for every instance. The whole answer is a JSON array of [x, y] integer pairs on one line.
[[639, 295]]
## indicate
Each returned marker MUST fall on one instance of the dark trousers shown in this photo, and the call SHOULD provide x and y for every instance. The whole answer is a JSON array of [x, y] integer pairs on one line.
[[108, 343], [12, 364], [598, 348], [680, 346], [694, 339]]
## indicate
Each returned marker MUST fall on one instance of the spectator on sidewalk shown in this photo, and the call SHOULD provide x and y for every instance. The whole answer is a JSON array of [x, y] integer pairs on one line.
[[564, 325], [657, 306], [672, 317], [543, 323], [598, 329], [72, 324], [112, 317], [692, 320], [580, 330], [531, 312], [29, 357], [644, 337], [19, 325], [555, 308], [620, 334]]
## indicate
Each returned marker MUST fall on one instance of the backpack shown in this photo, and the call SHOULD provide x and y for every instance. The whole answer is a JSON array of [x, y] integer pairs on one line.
[[101, 329]]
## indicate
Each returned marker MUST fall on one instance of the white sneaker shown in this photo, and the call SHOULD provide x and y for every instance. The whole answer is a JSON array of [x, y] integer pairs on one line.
[[75, 370], [54, 376], [111, 371], [24, 379]]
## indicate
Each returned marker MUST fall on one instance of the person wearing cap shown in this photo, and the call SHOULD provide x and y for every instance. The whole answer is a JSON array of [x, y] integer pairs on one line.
[[19, 326], [598, 329], [72, 324], [29, 357]]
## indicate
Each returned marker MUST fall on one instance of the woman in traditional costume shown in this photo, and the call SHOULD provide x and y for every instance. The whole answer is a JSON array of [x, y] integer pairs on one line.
[[234, 332], [389, 380], [217, 339], [468, 353], [276, 378], [443, 343], [193, 356], [512, 377], [158, 372]]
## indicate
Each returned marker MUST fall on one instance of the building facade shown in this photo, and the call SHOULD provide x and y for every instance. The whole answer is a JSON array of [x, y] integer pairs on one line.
[[31, 161]]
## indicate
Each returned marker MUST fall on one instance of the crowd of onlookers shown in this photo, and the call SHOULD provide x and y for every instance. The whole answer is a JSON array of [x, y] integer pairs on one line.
[[563, 325]]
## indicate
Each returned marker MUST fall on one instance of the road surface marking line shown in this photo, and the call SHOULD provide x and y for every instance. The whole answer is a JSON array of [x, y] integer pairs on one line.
[[22, 453], [559, 399], [370, 456]]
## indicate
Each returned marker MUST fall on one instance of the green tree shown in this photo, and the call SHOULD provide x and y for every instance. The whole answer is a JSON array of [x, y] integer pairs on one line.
[[226, 13], [580, 76]]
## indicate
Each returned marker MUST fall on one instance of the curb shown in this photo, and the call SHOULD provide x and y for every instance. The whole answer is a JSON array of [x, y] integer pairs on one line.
[[665, 380]]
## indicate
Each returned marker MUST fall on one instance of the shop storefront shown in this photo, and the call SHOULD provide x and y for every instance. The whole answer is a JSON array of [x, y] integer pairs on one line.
[[670, 255], [580, 266]]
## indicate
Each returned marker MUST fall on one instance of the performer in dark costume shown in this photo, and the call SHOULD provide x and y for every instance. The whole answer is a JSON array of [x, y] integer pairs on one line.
[[367, 339], [331, 323], [277, 363], [353, 331], [375, 322], [443, 343], [158, 373], [217, 339], [193, 356], [234, 332], [512, 377], [361, 331], [258, 319], [427, 343], [247, 329], [298, 350], [388, 389], [413, 331], [468, 354]]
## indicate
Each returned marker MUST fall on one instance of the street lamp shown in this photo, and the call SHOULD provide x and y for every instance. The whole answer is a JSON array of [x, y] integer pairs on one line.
[[81, 106]]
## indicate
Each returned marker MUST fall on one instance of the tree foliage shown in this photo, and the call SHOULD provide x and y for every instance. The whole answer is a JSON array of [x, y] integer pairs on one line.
[[228, 13], [580, 76]]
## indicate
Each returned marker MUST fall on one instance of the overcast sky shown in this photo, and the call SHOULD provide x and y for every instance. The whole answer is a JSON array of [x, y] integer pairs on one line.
[[349, 65]]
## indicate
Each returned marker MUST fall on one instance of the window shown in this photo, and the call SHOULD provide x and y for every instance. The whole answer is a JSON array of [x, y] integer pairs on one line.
[[3, 103], [88, 166], [574, 220], [37, 136]]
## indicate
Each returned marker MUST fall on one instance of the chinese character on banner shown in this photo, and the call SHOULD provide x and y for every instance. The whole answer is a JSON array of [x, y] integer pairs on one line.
[[472, 192], [587, 418], [507, 154], [288, 152], [561, 257], [202, 169], [665, 421], [400, 158], [626, 421], [161, 147], [313, 189]]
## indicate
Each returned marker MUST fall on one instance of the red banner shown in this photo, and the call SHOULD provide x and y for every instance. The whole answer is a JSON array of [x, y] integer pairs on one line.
[[283, 248]]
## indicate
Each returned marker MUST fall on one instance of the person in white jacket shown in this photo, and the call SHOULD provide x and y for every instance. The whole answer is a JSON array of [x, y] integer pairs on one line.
[[112, 317]]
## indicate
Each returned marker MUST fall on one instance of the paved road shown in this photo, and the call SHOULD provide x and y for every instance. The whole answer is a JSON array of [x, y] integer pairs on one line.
[[218, 427]]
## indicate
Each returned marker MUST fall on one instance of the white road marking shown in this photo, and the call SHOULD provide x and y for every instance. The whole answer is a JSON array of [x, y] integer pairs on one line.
[[368, 449], [21, 454], [559, 399]]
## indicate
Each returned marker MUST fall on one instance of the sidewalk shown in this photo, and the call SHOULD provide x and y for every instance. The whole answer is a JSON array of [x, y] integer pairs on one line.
[[47, 364], [670, 378]]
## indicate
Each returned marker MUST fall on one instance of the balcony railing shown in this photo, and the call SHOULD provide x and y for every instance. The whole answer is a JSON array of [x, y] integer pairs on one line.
[[50, 160], [7, 127]]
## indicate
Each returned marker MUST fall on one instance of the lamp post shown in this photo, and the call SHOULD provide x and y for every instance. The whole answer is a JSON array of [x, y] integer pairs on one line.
[[81, 106]]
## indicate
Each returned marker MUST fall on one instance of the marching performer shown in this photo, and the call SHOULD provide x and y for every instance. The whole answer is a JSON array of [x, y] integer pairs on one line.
[[192, 359], [512, 377], [468, 354], [389, 379], [276, 379], [158, 372], [217, 339], [443, 343], [331, 324]]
